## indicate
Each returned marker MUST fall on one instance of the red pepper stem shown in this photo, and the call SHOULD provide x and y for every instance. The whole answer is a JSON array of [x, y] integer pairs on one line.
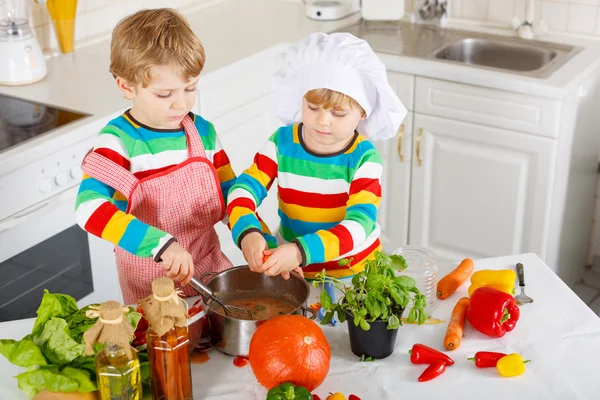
[[505, 317], [471, 359]]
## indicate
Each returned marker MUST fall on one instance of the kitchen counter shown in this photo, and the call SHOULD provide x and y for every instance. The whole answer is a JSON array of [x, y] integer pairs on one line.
[[557, 332]]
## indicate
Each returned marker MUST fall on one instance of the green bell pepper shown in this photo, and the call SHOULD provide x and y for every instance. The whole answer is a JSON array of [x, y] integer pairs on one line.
[[288, 391]]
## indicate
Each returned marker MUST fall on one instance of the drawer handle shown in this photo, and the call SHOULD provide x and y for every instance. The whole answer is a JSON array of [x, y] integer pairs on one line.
[[400, 134], [419, 161]]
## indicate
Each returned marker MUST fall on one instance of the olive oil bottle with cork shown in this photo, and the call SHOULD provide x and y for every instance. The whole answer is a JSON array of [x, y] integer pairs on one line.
[[117, 364]]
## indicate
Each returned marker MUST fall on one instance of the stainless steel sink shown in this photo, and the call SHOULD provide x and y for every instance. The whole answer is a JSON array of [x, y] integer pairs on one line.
[[538, 59], [532, 58], [496, 54]]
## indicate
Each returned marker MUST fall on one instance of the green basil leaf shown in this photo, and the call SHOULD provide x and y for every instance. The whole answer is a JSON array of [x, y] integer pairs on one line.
[[393, 322], [374, 282], [405, 282], [341, 315], [395, 293], [326, 301], [398, 262], [412, 315], [327, 318], [364, 325]]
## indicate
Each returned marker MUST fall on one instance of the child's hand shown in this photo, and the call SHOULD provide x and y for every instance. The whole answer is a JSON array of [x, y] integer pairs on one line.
[[283, 259], [284, 275], [253, 245], [178, 263]]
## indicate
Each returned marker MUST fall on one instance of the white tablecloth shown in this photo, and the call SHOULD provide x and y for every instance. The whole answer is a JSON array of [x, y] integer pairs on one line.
[[557, 332]]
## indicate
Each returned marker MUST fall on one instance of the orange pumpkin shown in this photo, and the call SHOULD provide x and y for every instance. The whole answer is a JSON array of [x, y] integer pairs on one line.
[[289, 348]]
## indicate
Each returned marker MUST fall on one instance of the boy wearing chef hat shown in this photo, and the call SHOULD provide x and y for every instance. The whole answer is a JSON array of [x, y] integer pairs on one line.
[[333, 96]]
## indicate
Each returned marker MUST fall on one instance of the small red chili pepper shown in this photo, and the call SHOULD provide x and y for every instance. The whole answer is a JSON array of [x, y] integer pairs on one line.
[[315, 397], [353, 397], [485, 359], [421, 354], [433, 371]]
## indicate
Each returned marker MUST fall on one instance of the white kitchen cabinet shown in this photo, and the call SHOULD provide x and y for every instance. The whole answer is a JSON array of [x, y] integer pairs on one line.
[[393, 211], [494, 172], [478, 191]]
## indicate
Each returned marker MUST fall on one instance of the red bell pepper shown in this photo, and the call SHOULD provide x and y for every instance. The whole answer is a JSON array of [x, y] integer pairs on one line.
[[433, 371], [421, 354], [485, 359], [492, 312]]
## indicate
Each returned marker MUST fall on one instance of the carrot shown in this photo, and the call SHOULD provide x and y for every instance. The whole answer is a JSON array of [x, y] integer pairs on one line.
[[158, 360], [456, 325], [184, 364], [448, 284], [172, 378]]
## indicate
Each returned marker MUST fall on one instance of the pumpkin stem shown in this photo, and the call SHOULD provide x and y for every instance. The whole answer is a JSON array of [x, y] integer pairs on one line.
[[307, 340]]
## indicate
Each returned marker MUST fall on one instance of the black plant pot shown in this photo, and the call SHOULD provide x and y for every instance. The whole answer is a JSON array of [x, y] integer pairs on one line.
[[378, 342]]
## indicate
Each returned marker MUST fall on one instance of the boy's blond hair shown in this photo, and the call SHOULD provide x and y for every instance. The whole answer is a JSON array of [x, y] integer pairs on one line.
[[328, 98], [154, 37]]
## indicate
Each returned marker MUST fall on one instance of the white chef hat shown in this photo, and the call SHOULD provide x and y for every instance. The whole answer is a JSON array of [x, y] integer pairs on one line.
[[346, 64]]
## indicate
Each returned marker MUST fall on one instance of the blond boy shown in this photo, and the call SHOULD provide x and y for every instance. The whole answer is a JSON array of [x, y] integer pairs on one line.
[[156, 182], [332, 93]]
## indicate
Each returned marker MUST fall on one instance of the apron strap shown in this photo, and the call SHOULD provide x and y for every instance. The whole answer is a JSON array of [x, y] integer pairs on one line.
[[109, 172], [195, 146]]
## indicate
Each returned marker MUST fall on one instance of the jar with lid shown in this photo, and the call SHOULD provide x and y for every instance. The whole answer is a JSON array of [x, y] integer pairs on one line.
[[422, 267]]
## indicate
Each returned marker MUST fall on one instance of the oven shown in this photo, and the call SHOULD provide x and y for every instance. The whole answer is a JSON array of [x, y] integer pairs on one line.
[[41, 246]]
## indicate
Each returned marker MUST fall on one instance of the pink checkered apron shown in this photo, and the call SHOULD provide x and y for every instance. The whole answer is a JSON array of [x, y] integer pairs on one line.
[[185, 201]]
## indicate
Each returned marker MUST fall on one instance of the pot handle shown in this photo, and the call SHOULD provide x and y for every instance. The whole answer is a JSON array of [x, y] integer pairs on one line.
[[208, 274], [313, 313]]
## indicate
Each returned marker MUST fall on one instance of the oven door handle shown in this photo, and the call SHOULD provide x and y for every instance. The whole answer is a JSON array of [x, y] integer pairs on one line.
[[18, 218]]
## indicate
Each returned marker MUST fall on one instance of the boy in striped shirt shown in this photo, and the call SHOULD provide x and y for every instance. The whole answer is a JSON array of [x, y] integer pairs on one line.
[[157, 179], [330, 92]]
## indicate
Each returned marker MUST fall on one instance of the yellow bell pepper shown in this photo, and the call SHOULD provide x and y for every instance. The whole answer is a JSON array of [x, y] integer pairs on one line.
[[336, 396], [511, 365], [502, 280]]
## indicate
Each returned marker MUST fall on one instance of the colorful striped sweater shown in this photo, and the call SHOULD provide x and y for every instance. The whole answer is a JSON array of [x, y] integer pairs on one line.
[[144, 151], [327, 203]]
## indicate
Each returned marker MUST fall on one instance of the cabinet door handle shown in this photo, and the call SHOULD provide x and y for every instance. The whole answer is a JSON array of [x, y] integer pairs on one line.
[[419, 161], [400, 135]]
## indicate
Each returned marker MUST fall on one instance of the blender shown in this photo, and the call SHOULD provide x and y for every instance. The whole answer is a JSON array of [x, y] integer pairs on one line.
[[22, 60]]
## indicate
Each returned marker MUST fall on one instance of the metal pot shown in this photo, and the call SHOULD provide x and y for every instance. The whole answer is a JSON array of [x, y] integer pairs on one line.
[[233, 335]]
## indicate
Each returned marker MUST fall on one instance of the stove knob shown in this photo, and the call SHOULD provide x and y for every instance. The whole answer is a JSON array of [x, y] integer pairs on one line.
[[61, 179], [76, 173], [45, 186]]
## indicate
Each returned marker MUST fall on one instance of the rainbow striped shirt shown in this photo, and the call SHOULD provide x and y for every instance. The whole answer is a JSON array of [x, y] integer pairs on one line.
[[327, 203], [144, 151]]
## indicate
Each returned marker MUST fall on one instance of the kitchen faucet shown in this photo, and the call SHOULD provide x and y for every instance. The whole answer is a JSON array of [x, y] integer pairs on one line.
[[525, 28], [433, 10]]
